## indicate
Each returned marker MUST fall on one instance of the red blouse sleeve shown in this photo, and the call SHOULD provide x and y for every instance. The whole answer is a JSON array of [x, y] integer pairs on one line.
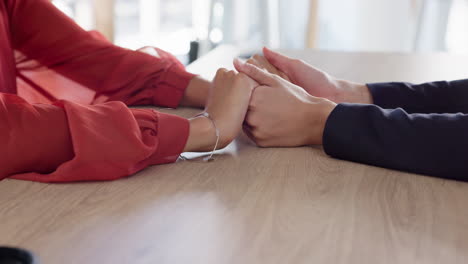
[[67, 142], [43, 33]]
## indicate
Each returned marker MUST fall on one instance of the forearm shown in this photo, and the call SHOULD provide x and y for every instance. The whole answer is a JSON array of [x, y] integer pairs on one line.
[[68, 142], [33, 137], [113, 73], [432, 97], [430, 144]]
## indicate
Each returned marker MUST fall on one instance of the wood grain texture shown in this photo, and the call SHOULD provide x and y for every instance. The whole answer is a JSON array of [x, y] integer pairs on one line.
[[251, 205]]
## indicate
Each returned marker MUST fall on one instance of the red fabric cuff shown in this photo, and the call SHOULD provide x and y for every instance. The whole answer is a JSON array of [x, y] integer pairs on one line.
[[173, 132], [170, 87]]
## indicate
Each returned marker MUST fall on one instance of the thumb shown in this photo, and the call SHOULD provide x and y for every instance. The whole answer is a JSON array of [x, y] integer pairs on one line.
[[257, 74], [280, 61]]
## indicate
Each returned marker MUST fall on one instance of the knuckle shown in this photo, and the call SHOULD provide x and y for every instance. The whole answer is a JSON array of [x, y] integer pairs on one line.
[[220, 71], [230, 74], [250, 61], [242, 77], [257, 57]]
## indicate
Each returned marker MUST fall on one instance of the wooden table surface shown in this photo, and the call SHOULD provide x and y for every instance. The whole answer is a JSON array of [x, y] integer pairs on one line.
[[254, 205]]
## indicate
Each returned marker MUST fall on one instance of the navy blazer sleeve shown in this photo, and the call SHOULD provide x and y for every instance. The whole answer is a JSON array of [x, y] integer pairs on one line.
[[433, 97], [406, 138]]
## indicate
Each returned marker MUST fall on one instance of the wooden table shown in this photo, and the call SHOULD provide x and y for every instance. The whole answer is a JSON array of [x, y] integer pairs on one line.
[[254, 205]]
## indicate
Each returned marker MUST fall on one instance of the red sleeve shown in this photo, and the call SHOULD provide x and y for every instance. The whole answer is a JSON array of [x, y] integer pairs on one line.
[[43, 33], [68, 142]]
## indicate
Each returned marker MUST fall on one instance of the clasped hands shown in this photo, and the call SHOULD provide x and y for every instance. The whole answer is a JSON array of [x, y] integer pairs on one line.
[[278, 102]]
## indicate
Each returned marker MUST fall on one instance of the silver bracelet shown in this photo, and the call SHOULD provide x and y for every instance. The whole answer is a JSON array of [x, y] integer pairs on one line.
[[207, 115]]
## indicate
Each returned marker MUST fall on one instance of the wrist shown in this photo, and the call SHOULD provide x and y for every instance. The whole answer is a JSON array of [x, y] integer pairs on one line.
[[364, 94], [326, 109], [196, 93], [318, 112], [202, 135], [353, 93]]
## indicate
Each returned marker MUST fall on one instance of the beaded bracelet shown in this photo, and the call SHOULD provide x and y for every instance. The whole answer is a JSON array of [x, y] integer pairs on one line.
[[210, 157]]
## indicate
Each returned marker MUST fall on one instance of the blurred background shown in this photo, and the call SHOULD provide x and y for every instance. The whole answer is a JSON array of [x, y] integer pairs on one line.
[[191, 28]]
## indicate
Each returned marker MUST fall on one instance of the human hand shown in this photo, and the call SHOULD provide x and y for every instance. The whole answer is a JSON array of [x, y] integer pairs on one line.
[[313, 80], [227, 105], [262, 63], [282, 114]]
